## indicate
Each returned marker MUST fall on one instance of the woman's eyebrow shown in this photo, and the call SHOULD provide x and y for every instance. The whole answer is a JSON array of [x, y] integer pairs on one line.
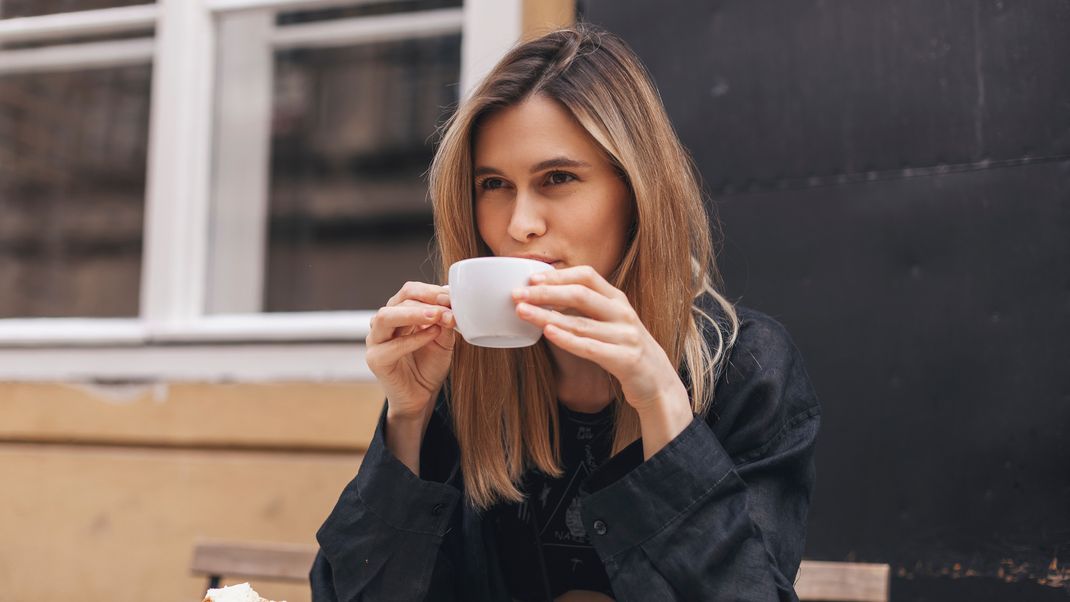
[[559, 162], [481, 171], [556, 162]]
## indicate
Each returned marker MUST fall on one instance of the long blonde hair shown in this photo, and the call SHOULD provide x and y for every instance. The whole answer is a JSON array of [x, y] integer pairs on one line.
[[503, 401]]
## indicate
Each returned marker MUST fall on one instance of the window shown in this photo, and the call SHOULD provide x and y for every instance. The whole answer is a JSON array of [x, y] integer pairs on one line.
[[72, 191], [318, 199], [219, 172], [73, 151]]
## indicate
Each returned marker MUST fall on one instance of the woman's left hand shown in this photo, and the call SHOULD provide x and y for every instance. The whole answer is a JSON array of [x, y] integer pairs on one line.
[[608, 333]]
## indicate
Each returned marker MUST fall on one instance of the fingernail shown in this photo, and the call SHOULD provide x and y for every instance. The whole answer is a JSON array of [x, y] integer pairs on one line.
[[520, 293], [538, 277], [446, 317]]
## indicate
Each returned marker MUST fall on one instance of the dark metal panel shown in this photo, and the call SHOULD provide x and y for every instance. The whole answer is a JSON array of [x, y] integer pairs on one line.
[[934, 315], [894, 183], [764, 91]]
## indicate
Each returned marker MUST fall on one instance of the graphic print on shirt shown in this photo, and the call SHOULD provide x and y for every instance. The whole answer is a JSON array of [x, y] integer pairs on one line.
[[551, 511], [565, 525], [559, 516], [574, 522]]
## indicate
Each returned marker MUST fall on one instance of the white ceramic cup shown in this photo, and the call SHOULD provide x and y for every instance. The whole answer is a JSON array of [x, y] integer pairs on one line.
[[481, 296]]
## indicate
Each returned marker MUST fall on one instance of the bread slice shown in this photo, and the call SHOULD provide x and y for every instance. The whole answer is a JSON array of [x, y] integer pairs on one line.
[[242, 592]]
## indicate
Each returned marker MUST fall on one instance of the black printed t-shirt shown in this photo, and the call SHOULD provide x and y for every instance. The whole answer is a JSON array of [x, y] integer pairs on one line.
[[552, 509]]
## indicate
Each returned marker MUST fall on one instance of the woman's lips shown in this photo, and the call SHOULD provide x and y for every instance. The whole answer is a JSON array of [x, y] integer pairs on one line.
[[552, 262]]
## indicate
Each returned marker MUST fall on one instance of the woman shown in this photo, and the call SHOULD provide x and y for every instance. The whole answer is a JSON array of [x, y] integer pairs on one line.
[[656, 444]]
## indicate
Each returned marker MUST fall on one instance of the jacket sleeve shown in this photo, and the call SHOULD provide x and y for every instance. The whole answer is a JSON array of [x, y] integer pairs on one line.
[[389, 536], [720, 512]]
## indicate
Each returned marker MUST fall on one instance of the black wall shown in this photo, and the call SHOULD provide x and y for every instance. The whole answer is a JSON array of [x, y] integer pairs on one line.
[[893, 180]]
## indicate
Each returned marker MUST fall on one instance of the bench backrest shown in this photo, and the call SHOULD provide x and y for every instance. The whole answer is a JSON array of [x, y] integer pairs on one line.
[[826, 581]]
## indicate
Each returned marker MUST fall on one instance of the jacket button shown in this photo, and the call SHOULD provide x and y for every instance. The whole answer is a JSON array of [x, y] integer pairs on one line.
[[600, 527], [437, 509]]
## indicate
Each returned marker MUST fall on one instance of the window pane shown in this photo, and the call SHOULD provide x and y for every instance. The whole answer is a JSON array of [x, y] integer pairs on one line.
[[352, 137], [344, 217], [363, 10], [72, 187], [34, 8]]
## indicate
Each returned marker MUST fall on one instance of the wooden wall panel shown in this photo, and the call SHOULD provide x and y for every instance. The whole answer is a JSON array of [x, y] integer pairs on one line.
[[540, 16], [329, 416], [118, 524]]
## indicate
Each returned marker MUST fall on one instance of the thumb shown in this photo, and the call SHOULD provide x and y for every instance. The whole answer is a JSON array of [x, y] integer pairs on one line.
[[446, 338]]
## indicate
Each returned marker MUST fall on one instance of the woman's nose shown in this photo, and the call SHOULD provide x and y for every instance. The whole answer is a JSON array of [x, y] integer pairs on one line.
[[526, 220]]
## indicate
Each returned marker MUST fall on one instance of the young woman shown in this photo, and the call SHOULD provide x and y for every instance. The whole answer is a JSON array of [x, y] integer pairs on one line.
[[656, 444]]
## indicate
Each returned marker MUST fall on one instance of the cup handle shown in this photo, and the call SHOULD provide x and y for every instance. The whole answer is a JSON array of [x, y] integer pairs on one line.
[[456, 326]]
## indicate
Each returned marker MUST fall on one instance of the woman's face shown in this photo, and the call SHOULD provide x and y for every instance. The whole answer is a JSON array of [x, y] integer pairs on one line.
[[545, 189]]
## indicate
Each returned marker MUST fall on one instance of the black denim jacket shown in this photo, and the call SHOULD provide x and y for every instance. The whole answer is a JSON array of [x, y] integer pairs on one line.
[[717, 514]]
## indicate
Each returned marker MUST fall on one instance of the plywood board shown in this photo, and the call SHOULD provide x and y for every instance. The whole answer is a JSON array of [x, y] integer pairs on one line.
[[325, 416], [119, 524]]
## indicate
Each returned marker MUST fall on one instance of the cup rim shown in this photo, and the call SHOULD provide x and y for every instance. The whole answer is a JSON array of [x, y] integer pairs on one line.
[[499, 258]]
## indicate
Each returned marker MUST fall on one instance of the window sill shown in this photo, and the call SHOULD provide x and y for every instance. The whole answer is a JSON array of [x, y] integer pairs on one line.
[[274, 327], [312, 346]]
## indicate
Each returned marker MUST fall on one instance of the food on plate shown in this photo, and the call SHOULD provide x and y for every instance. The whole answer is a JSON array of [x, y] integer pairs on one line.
[[242, 592]]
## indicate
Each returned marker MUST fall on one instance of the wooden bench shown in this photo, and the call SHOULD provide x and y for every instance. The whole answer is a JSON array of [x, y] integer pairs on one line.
[[843, 581], [825, 581], [252, 560]]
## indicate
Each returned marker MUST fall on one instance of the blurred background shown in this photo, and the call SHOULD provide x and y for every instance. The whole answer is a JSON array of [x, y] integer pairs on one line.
[[203, 201]]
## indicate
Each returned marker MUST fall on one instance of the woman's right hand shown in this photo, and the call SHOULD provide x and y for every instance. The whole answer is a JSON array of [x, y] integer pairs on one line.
[[410, 347]]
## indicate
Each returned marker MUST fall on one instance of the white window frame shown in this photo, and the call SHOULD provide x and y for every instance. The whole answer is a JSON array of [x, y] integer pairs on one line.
[[175, 263]]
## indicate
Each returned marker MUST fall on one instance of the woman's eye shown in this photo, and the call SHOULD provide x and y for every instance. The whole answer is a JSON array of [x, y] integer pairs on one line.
[[560, 177], [491, 183]]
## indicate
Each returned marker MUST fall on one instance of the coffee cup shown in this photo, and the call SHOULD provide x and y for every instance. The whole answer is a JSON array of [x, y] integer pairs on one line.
[[482, 301]]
